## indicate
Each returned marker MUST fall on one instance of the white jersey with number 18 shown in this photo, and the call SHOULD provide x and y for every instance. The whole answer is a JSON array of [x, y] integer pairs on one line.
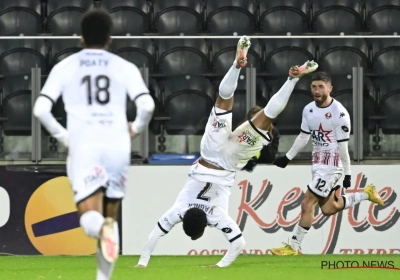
[[94, 85]]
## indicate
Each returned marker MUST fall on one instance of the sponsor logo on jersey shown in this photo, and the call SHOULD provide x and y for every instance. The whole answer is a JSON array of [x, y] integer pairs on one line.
[[321, 137], [345, 128], [219, 123], [341, 115], [248, 138]]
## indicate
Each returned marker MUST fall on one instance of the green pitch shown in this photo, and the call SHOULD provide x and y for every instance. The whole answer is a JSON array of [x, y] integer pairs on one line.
[[246, 267]]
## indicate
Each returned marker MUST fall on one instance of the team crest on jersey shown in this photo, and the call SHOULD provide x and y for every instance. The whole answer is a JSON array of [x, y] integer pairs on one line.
[[321, 137], [247, 137], [219, 123], [328, 115]]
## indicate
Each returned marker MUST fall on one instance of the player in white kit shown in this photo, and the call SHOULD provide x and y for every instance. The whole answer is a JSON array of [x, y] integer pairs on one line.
[[204, 199], [94, 84], [328, 123]]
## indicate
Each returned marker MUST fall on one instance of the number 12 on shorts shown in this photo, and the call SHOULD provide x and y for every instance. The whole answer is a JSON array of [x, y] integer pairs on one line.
[[320, 184]]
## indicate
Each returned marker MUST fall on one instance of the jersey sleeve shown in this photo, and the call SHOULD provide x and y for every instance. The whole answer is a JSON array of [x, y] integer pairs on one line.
[[53, 86], [304, 125], [135, 83], [342, 126]]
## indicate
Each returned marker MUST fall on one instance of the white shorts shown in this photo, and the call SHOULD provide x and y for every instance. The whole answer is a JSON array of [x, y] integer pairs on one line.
[[213, 199], [324, 179], [93, 169]]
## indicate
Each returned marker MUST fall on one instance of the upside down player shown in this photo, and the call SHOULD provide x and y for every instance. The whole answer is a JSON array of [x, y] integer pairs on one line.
[[204, 199], [328, 121], [94, 85]]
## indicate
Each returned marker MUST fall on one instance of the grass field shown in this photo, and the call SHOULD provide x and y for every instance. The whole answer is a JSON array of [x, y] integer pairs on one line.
[[248, 267]]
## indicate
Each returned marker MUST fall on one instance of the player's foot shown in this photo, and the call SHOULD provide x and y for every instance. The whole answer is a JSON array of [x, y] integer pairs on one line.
[[300, 71], [242, 49], [284, 251], [109, 248], [139, 266], [373, 195]]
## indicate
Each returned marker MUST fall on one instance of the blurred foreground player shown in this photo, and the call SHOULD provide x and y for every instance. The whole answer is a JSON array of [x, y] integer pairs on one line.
[[204, 199], [94, 84], [328, 122]]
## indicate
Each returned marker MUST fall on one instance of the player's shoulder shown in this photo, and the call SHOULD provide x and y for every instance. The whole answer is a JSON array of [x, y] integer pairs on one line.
[[66, 62], [309, 108], [121, 62], [338, 108]]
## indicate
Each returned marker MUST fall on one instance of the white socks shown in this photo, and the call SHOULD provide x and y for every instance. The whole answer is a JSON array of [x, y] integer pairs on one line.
[[91, 222], [104, 268], [352, 199], [279, 100], [229, 82], [298, 235]]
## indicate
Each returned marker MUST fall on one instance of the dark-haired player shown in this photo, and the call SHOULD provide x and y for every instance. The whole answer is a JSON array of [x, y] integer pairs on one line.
[[94, 84], [328, 123], [204, 199]]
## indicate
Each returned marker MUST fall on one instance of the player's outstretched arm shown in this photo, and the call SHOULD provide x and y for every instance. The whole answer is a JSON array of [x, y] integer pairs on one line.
[[233, 234], [148, 248], [345, 158], [234, 251], [300, 142], [342, 129]]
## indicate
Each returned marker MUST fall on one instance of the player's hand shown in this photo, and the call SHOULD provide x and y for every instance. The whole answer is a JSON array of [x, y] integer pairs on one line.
[[241, 60], [210, 266], [139, 266], [347, 181], [282, 162], [131, 132], [251, 164]]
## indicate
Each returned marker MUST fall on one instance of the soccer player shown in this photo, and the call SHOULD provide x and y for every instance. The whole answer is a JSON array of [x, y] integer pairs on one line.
[[94, 85], [204, 199], [328, 122]]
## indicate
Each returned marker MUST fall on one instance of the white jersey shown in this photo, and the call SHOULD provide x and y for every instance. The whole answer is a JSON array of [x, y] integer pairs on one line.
[[94, 85], [328, 126], [226, 149]]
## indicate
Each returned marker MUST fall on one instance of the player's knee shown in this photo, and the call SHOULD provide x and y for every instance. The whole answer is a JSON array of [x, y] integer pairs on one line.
[[307, 206], [328, 209], [91, 223]]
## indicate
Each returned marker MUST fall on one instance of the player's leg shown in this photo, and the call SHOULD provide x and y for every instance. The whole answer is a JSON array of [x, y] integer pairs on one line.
[[302, 227], [229, 82], [310, 200], [109, 239], [263, 119], [333, 204]]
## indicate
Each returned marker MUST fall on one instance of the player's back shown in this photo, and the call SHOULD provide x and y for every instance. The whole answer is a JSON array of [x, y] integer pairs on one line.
[[94, 91]]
